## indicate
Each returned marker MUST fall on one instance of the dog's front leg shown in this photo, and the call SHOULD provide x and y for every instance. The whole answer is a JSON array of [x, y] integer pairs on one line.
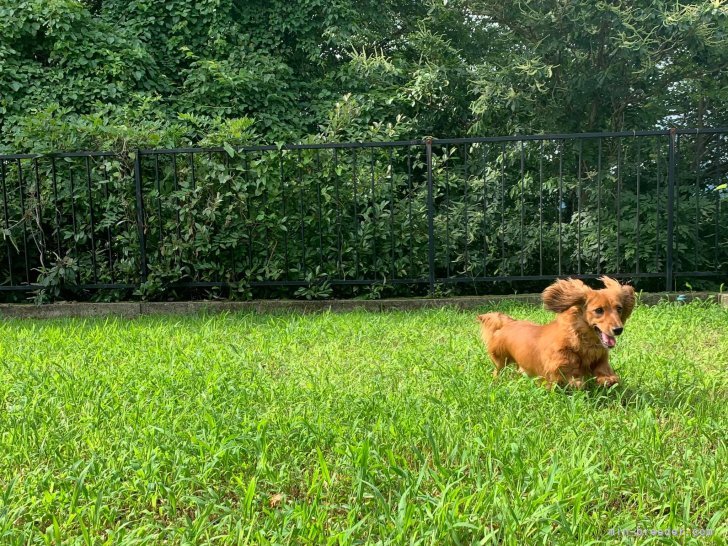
[[567, 375], [604, 374]]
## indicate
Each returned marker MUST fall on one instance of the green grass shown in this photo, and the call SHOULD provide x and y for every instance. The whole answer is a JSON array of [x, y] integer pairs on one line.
[[354, 428]]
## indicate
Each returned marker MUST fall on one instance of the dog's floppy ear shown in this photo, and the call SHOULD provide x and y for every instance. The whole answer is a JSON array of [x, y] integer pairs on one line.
[[627, 292], [610, 283], [564, 294], [628, 301]]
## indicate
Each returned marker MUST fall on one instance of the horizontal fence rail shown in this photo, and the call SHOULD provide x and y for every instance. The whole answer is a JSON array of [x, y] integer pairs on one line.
[[313, 217]]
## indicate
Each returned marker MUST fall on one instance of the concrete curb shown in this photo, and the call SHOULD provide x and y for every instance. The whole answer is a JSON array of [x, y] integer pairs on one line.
[[137, 309]]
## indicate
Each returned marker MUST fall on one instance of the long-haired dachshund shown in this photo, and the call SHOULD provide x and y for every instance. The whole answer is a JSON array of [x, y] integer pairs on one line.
[[572, 348]]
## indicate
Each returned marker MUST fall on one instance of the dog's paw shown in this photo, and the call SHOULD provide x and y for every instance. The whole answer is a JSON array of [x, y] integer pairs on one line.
[[608, 380]]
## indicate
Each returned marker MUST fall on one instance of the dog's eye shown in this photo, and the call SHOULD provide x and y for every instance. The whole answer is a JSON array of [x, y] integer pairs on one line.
[[599, 311], [619, 309]]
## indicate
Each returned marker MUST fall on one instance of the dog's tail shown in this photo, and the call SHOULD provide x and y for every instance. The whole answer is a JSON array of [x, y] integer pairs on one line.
[[491, 323]]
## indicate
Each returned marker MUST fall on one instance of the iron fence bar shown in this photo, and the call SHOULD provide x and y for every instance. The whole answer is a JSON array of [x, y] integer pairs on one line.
[[409, 204], [339, 263], [716, 274], [248, 209], [599, 209], [319, 214], [280, 284], [38, 211], [13, 157], [637, 207], [430, 217], [94, 265], [701, 131], [175, 186], [108, 286], [676, 194], [193, 178], [54, 185], [658, 156], [287, 147], [540, 210], [285, 217], [596, 135], [74, 223], [58, 155], [465, 182], [301, 212], [619, 198], [385, 144], [513, 278], [412, 281], [485, 209], [231, 204], [158, 187], [696, 239], [561, 201], [22, 216], [523, 202], [35, 286], [266, 203], [670, 212], [356, 212], [6, 222], [19, 288], [578, 199], [364, 282], [554, 136], [140, 215], [108, 227], [717, 209], [503, 205], [374, 214], [445, 161], [392, 270]]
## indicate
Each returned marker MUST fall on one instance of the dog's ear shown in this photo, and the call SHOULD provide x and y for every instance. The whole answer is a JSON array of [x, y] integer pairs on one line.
[[628, 301], [610, 283], [564, 294]]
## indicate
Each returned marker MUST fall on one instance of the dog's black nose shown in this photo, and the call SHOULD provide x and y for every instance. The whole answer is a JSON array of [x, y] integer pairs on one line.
[[618, 331]]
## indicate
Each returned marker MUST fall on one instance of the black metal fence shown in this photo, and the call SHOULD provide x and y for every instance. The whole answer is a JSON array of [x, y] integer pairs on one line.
[[466, 212]]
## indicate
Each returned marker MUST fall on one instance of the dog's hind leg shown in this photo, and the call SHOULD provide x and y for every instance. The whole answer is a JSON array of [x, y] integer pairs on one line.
[[499, 360]]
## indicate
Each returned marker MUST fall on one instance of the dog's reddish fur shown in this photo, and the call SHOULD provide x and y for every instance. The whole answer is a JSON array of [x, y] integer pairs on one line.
[[569, 350]]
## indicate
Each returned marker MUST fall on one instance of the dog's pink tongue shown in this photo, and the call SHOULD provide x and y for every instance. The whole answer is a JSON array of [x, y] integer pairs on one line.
[[609, 341]]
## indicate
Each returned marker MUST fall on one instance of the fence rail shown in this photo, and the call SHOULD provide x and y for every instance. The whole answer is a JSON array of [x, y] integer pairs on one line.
[[468, 211]]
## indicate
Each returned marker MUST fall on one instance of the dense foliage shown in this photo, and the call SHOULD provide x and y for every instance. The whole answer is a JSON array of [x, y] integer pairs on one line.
[[118, 76], [116, 72]]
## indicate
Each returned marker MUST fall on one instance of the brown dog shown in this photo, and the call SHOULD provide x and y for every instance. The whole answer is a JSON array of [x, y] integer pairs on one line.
[[572, 348]]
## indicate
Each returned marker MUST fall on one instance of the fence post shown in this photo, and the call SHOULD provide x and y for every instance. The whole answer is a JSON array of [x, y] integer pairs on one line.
[[430, 216], [670, 211], [140, 214]]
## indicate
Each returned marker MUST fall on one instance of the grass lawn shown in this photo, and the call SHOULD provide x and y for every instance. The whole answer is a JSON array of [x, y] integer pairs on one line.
[[355, 428]]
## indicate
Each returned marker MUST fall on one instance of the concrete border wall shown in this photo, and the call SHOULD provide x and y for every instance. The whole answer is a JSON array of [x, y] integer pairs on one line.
[[137, 309]]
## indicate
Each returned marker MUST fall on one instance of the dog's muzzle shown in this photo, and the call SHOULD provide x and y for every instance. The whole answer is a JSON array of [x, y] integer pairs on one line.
[[608, 341]]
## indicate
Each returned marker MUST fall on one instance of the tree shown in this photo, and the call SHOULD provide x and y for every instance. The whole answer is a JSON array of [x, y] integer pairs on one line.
[[588, 66]]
